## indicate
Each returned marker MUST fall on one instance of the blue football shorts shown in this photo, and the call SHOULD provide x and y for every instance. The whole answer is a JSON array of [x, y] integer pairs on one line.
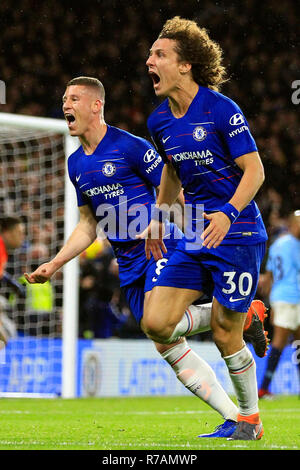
[[135, 292], [230, 273]]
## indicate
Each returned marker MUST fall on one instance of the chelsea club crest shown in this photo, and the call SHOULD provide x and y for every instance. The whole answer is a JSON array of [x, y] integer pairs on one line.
[[199, 133], [109, 169]]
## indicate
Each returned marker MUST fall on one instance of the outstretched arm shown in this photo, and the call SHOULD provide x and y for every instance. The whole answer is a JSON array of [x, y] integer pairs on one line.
[[81, 238]]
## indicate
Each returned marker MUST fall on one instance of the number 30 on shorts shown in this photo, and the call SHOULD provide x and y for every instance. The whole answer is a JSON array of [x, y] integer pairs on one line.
[[242, 282]]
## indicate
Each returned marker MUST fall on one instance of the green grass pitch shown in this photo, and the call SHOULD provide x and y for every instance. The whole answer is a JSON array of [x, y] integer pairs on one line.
[[143, 423]]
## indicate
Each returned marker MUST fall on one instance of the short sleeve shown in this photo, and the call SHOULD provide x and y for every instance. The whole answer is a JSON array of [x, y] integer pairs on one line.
[[155, 139], [233, 128], [81, 200], [146, 161]]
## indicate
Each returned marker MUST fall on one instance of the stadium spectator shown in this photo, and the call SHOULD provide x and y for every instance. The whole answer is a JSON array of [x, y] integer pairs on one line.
[[102, 309], [12, 235], [38, 308], [282, 281], [98, 318]]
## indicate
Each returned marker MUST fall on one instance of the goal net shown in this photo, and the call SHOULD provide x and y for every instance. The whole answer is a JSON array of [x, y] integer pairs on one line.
[[39, 358]]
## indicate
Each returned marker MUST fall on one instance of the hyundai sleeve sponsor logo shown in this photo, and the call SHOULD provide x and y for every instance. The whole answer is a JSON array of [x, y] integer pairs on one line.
[[237, 119], [150, 155], [238, 131]]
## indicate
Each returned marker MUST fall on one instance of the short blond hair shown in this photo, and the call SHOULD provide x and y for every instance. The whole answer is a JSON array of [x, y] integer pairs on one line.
[[195, 47], [89, 82]]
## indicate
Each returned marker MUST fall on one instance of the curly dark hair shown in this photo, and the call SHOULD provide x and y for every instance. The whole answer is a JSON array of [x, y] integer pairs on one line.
[[195, 47]]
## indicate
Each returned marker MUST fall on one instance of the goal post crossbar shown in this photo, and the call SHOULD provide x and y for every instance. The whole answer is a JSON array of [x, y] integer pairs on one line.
[[34, 122], [71, 269]]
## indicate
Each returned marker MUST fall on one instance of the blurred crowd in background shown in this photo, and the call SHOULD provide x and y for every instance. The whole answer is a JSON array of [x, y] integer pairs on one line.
[[43, 48]]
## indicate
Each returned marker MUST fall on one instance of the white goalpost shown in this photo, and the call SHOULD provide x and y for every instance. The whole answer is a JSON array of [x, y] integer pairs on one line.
[[34, 151]]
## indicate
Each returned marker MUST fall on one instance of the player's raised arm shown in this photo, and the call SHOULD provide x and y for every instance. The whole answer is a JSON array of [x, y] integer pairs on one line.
[[81, 238]]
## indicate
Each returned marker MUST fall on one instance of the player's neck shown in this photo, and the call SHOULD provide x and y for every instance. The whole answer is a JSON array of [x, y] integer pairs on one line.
[[181, 99], [92, 138]]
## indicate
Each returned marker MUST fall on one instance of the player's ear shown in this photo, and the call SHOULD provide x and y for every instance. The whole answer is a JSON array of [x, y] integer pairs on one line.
[[97, 106], [185, 68]]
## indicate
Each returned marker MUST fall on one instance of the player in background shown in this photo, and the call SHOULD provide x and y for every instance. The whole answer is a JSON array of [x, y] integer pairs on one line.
[[114, 171], [12, 235], [210, 152], [282, 282]]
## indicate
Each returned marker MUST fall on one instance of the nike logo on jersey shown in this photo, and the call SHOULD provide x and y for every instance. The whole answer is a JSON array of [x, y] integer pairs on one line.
[[164, 139], [236, 300], [78, 178]]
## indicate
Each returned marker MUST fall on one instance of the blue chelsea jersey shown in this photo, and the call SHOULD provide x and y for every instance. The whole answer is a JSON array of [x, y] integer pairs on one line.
[[117, 182], [203, 145]]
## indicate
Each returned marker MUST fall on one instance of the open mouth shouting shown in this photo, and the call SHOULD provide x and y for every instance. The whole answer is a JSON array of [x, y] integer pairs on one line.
[[70, 118], [155, 79]]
